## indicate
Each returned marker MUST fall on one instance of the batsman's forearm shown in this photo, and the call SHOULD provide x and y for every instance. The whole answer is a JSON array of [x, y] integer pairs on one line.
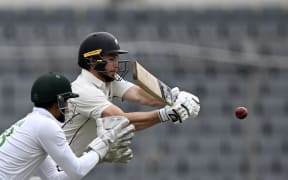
[[138, 95], [143, 120]]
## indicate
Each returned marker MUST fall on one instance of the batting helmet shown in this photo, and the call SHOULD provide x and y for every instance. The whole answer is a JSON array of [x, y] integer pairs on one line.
[[96, 45], [50, 87]]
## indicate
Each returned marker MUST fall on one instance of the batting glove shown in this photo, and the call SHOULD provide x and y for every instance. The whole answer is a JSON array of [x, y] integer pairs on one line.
[[186, 105], [191, 101], [175, 92]]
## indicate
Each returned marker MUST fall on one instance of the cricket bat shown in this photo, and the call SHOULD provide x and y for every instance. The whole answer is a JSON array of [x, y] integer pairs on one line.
[[151, 84]]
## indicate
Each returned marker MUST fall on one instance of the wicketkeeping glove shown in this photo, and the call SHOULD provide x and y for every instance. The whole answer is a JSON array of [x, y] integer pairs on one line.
[[106, 137], [186, 105], [126, 134], [118, 155], [119, 151]]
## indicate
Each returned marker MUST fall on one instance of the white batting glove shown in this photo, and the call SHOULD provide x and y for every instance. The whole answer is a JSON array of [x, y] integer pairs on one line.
[[191, 101], [106, 137], [175, 92], [186, 105]]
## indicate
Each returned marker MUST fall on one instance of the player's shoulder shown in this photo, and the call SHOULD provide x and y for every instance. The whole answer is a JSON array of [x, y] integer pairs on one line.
[[87, 91], [41, 124], [121, 85], [82, 84], [45, 121], [48, 126]]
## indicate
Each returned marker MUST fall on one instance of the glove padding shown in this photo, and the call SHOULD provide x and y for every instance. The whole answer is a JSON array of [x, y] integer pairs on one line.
[[193, 106], [99, 146], [106, 137], [118, 155], [110, 133], [186, 105], [125, 139], [126, 134], [119, 151], [175, 92]]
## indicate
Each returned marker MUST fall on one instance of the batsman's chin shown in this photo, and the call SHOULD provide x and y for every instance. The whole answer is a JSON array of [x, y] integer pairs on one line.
[[112, 74]]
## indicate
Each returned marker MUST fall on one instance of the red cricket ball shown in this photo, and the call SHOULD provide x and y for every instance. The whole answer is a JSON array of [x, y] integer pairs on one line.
[[241, 112]]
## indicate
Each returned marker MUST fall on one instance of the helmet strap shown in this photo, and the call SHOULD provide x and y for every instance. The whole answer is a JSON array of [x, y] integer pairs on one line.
[[61, 106], [61, 103], [100, 68]]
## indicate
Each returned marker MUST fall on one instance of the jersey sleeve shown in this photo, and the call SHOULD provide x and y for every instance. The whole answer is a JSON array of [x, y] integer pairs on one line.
[[120, 87], [53, 141], [48, 170], [91, 100]]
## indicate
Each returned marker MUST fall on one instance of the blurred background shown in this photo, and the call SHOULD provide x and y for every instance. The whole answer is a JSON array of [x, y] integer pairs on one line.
[[229, 53]]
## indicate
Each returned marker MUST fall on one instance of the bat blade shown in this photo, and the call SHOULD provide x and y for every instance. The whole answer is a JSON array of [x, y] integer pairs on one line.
[[151, 84]]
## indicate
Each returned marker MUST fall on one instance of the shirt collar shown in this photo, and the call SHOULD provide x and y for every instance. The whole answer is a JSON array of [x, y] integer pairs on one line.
[[45, 112], [93, 79]]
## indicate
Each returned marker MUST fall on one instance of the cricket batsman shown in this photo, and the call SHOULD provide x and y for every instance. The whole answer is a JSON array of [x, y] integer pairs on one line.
[[101, 80]]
